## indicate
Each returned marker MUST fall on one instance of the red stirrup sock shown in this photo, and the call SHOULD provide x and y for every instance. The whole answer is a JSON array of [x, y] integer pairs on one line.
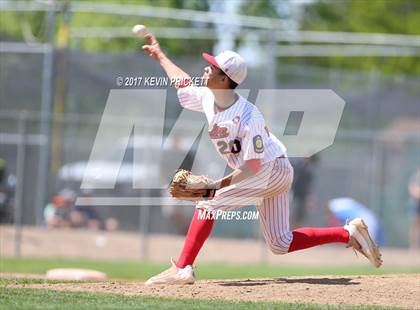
[[198, 233], [307, 237]]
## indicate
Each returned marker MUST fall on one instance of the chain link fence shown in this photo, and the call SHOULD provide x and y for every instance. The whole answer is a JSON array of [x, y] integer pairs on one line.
[[375, 152]]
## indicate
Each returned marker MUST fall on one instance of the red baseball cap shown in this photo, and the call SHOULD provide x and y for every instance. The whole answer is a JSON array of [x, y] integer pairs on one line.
[[231, 63], [210, 58]]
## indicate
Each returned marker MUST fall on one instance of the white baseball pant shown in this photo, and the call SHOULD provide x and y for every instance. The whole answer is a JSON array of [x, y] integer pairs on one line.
[[268, 190]]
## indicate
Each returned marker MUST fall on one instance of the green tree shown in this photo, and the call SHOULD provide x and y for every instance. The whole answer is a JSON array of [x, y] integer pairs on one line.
[[380, 16], [16, 26], [266, 8]]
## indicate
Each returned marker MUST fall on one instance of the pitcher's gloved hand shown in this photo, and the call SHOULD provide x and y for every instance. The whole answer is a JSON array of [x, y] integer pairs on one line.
[[186, 186]]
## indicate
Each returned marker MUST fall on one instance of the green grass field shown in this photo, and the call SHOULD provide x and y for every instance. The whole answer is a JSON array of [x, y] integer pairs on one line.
[[29, 298], [143, 270]]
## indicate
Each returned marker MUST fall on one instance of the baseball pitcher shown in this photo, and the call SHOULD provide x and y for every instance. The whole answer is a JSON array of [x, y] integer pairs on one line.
[[262, 174]]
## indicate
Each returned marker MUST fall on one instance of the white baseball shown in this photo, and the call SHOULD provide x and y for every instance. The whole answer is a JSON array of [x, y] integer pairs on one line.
[[139, 31]]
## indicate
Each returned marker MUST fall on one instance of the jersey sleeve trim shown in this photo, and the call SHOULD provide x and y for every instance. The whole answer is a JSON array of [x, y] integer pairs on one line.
[[191, 98]]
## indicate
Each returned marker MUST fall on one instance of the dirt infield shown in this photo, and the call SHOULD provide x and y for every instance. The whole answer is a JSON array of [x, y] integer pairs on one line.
[[387, 290]]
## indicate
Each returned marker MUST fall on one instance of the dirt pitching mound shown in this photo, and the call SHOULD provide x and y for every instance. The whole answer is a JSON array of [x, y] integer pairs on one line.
[[382, 290]]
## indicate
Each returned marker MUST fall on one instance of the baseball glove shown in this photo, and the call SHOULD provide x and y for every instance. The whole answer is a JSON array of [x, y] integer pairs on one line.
[[186, 186]]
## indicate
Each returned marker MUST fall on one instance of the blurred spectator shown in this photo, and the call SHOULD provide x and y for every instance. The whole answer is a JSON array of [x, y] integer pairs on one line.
[[62, 212], [2, 171], [414, 191], [91, 218], [304, 169], [6, 213], [59, 212], [341, 210]]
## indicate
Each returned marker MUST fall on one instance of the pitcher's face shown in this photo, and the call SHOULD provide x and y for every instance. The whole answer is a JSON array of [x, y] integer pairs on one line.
[[216, 78]]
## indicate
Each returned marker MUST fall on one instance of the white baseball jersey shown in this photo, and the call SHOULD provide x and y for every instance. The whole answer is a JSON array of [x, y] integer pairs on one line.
[[238, 133]]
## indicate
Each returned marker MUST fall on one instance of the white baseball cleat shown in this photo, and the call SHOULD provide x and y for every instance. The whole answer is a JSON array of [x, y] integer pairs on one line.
[[173, 275], [361, 241]]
